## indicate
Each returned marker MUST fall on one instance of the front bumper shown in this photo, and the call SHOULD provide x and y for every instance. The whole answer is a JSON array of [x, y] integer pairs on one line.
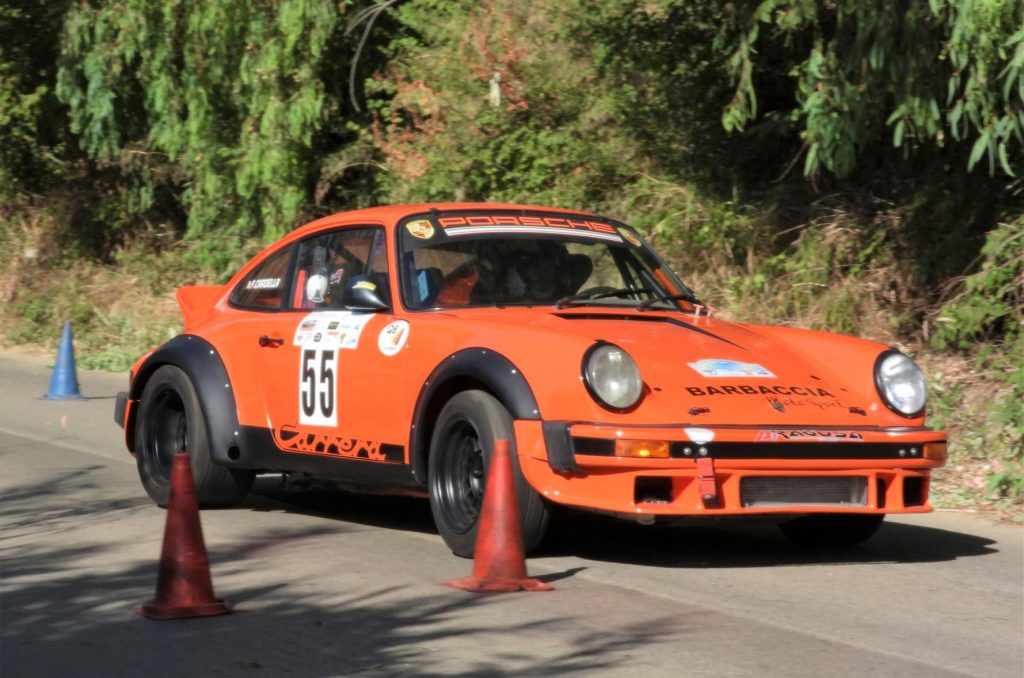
[[731, 470]]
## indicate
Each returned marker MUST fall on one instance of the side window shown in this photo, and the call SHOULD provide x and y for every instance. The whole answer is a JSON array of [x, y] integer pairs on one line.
[[264, 287], [326, 263]]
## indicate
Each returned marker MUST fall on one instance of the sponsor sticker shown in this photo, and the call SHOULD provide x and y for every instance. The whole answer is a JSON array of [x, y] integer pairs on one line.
[[701, 436], [778, 403], [421, 228], [521, 224], [770, 391], [810, 435], [630, 237], [346, 328], [392, 338], [716, 367]]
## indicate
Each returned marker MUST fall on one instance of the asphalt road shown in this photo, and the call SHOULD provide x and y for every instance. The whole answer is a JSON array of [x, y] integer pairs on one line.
[[338, 584]]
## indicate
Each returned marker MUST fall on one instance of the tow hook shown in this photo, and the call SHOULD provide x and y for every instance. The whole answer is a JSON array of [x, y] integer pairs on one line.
[[706, 479]]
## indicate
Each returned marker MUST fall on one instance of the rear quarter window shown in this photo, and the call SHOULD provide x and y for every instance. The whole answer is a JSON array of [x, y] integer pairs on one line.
[[264, 287]]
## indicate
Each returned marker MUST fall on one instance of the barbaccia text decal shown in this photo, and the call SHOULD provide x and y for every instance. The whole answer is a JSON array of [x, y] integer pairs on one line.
[[745, 389]]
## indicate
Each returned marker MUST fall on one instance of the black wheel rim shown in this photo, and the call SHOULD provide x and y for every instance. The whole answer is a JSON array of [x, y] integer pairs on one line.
[[166, 433], [458, 485]]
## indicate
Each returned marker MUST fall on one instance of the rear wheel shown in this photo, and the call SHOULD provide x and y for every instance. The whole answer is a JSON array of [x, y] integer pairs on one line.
[[171, 420], [460, 453], [832, 530]]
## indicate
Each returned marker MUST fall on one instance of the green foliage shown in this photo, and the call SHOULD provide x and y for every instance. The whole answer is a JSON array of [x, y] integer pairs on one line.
[[700, 232], [839, 274], [484, 103], [148, 145], [219, 100], [990, 303], [982, 410], [30, 122], [920, 72], [1007, 484], [986, 318]]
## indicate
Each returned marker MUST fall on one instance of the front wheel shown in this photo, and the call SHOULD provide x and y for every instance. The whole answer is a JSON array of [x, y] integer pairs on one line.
[[460, 454], [831, 530], [170, 420]]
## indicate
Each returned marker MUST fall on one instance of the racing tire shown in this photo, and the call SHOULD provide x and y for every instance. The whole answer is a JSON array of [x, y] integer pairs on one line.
[[460, 452], [831, 530], [171, 419]]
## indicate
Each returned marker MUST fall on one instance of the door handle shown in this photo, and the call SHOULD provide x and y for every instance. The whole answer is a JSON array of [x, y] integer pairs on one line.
[[270, 342]]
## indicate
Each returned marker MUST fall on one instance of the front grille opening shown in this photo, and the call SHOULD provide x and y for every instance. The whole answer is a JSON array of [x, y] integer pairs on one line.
[[770, 491], [913, 491], [880, 488], [652, 490]]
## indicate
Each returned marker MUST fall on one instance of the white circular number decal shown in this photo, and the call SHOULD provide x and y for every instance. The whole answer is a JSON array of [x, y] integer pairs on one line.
[[393, 337]]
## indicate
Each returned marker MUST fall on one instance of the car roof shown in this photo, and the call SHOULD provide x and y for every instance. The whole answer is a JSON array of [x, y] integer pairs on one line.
[[390, 214]]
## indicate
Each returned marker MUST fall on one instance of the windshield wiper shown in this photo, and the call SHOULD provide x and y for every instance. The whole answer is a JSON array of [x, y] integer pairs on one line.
[[684, 296], [620, 292]]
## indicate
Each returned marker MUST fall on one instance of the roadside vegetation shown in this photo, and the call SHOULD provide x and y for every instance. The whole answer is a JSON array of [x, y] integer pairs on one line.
[[853, 167]]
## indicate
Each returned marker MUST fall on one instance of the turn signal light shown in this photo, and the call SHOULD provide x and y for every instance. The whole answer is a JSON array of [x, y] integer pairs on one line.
[[935, 451], [646, 449]]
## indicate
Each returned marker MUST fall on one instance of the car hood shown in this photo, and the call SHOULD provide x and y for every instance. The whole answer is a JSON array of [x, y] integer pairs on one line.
[[700, 368]]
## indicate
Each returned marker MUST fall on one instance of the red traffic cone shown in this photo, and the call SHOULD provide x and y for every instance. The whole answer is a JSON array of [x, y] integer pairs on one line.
[[498, 561], [183, 588]]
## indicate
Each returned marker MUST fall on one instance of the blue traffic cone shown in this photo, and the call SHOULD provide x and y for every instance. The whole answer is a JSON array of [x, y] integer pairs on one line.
[[64, 382]]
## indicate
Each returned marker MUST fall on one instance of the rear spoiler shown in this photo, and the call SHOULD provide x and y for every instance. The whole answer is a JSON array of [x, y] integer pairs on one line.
[[196, 302]]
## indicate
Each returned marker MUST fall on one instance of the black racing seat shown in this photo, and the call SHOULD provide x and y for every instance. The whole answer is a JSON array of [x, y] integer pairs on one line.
[[575, 271]]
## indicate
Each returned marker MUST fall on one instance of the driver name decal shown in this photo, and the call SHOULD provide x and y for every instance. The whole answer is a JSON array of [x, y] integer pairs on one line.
[[263, 284]]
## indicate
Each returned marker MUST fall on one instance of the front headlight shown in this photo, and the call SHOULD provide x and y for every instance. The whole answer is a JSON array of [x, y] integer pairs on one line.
[[612, 377], [901, 383]]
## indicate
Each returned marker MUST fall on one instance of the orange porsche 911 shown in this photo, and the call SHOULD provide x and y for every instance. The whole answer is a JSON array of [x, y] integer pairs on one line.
[[388, 348]]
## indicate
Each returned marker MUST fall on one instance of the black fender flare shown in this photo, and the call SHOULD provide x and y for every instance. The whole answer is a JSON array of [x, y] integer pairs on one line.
[[482, 366], [201, 362]]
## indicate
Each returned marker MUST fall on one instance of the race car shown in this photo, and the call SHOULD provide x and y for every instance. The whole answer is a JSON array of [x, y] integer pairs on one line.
[[387, 349]]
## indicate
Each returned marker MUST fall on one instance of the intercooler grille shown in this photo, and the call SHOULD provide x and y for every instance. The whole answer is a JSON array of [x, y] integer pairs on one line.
[[767, 491]]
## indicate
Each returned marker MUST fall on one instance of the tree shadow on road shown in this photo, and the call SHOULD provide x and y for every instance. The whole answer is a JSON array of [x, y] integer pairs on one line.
[[409, 514], [82, 624], [740, 543], [67, 606], [727, 544]]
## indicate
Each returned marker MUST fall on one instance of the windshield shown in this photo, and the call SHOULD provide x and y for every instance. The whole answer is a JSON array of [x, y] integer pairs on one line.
[[504, 259]]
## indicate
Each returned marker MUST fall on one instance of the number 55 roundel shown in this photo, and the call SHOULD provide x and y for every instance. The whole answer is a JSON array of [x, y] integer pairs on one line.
[[321, 336]]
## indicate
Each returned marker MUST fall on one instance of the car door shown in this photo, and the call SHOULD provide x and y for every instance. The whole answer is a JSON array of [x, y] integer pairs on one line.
[[326, 370]]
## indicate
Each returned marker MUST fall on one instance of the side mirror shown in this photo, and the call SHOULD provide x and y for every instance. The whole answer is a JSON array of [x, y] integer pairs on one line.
[[362, 294]]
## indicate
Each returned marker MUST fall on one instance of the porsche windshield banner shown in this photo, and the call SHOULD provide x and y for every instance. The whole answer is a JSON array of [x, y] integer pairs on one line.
[[511, 224]]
